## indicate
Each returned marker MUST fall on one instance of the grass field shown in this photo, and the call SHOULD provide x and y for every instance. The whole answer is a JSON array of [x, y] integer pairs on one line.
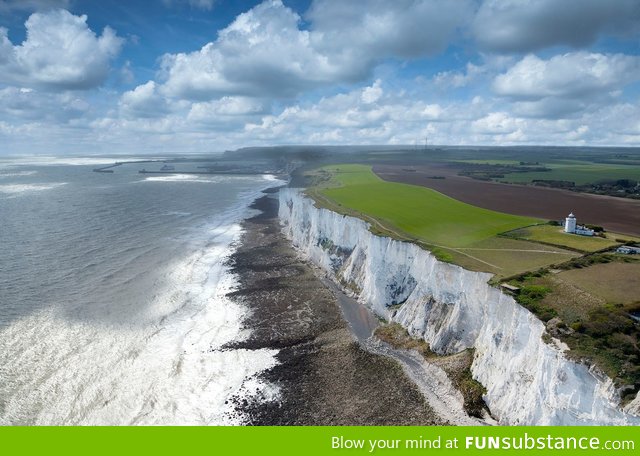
[[508, 257], [490, 162], [421, 213], [621, 238], [617, 283], [556, 236], [455, 232], [580, 173]]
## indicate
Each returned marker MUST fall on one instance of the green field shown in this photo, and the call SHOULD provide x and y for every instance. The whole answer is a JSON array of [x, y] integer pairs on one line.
[[578, 172], [416, 212], [489, 162], [556, 236], [506, 257], [474, 238]]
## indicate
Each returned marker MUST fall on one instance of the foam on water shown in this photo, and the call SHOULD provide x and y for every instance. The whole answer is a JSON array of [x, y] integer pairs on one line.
[[14, 189], [172, 370], [169, 366], [5, 175], [177, 213], [182, 178]]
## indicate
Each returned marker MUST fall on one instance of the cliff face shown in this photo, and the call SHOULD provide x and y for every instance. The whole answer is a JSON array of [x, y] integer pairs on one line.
[[527, 380]]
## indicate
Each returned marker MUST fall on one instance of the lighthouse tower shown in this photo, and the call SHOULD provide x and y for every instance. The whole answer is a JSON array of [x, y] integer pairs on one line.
[[570, 224]]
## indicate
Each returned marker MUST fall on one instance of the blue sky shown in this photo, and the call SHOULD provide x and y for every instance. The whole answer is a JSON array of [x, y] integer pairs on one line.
[[164, 76]]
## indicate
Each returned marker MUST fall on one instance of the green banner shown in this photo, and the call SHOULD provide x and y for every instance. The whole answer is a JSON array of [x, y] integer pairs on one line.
[[338, 441]]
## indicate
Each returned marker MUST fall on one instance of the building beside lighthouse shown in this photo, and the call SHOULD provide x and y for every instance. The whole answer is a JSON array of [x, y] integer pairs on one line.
[[571, 226]]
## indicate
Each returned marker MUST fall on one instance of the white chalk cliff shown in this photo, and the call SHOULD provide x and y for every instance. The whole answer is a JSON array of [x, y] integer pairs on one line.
[[528, 381]]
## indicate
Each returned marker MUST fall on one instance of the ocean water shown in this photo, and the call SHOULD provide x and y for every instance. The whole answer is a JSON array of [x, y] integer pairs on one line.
[[113, 306]]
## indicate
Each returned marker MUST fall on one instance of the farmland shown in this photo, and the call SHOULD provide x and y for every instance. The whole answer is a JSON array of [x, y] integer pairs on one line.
[[418, 212], [579, 173], [580, 169], [455, 232], [621, 215]]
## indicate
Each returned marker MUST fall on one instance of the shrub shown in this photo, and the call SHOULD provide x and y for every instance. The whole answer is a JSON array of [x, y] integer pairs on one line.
[[546, 313], [577, 326], [534, 292], [596, 228], [604, 321]]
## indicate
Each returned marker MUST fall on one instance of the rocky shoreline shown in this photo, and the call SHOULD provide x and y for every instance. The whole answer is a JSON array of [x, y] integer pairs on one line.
[[324, 376]]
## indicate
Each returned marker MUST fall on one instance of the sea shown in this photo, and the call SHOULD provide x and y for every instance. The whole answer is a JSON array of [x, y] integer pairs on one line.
[[113, 295]]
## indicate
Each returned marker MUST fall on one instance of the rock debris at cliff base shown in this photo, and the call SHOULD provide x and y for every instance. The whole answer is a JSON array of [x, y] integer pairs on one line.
[[324, 376]]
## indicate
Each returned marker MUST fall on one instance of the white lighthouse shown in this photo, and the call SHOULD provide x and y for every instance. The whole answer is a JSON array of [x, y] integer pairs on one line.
[[570, 224]]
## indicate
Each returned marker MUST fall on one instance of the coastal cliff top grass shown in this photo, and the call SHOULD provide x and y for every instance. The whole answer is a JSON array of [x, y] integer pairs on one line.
[[555, 235], [408, 211]]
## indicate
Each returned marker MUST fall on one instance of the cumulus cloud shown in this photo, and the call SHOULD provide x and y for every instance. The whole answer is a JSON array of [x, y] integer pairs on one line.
[[60, 53], [567, 75], [143, 101], [365, 115], [402, 118], [373, 93], [227, 106], [566, 83], [525, 26], [227, 112], [608, 125], [27, 105], [555, 108], [261, 51], [496, 123], [266, 49], [457, 79], [373, 29], [375, 114], [620, 121]]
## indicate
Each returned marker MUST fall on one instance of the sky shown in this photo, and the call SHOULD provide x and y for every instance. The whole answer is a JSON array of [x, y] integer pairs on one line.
[[194, 76]]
